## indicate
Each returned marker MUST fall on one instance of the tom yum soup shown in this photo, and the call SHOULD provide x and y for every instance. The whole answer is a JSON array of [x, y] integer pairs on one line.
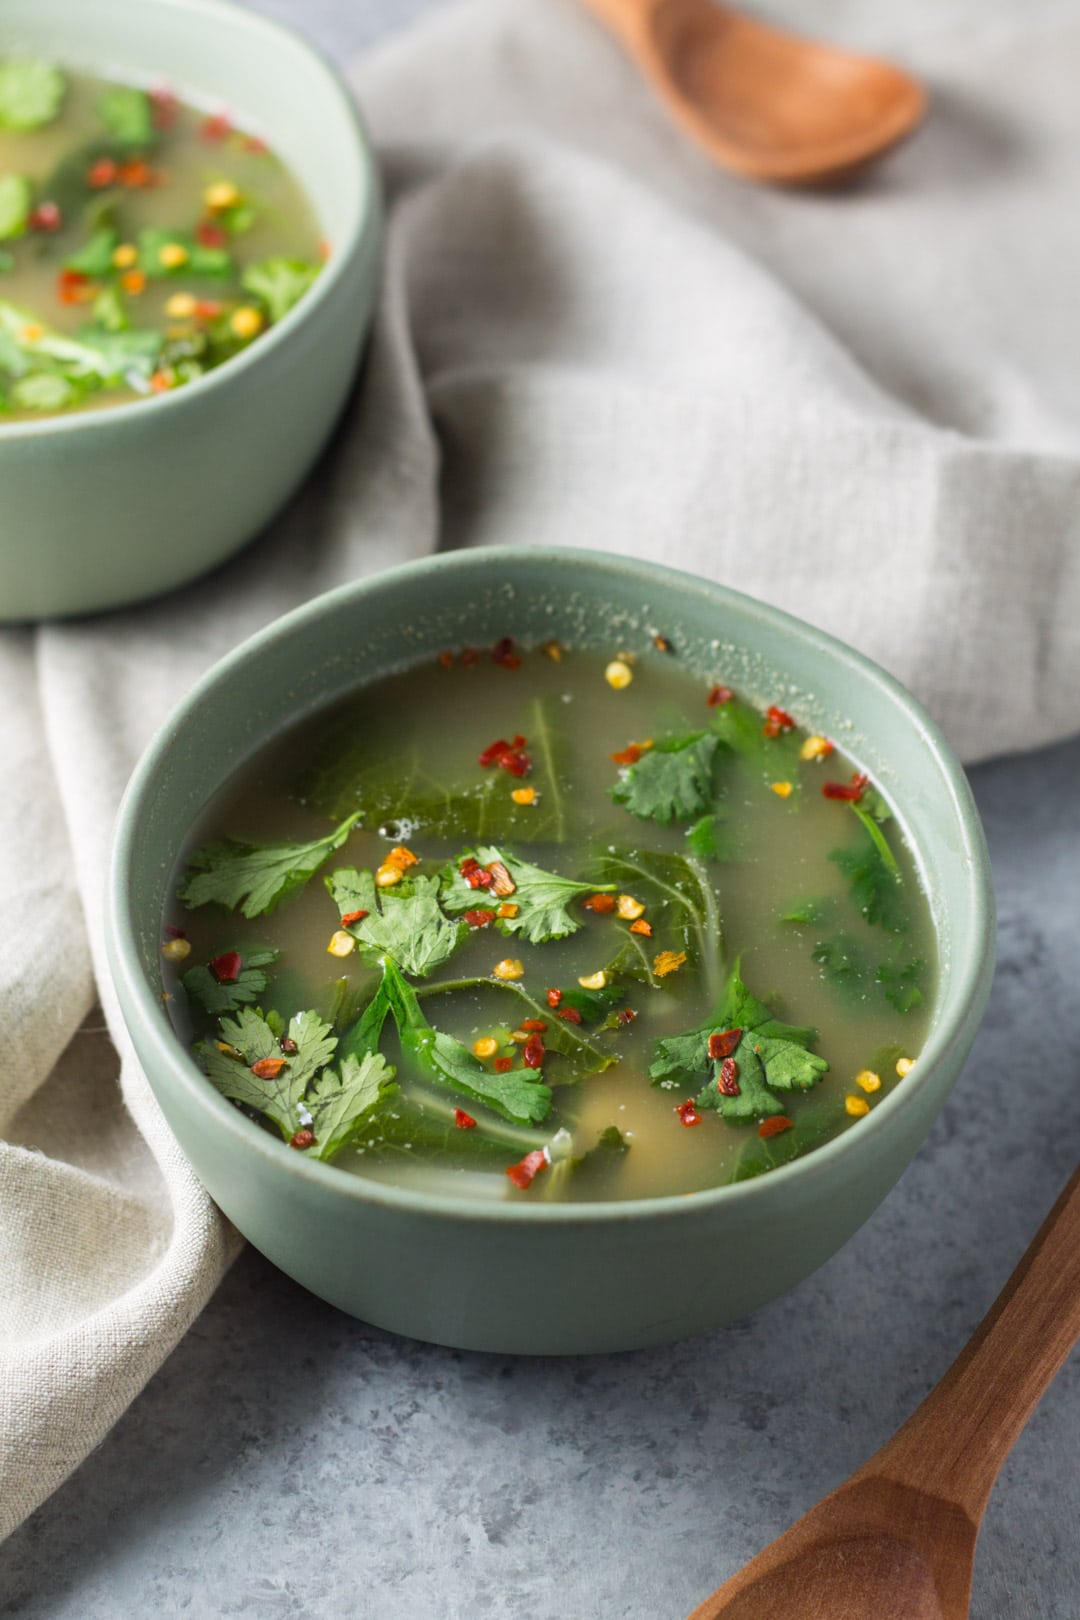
[[545, 923], [143, 241]]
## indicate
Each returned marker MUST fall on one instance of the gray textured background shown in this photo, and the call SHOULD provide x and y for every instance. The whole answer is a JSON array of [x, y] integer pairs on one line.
[[288, 1461]]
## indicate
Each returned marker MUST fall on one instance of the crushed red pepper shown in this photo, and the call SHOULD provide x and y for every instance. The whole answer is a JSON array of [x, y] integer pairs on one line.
[[226, 967], [600, 903], [532, 1053], [463, 1121], [46, 217], [479, 919], [727, 1081], [851, 792], [687, 1112], [268, 1068], [534, 1024], [626, 1015], [722, 1043], [628, 755], [523, 1173], [775, 1125], [776, 721], [554, 997], [350, 917], [718, 696], [502, 1065], [503, 653], [571, 1015], [302, 1139]]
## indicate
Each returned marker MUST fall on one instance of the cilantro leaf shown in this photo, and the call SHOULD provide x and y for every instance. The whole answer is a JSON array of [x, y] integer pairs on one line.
[[406, 922], [876, 888], [541, 897], [30, 92], [127, 355], [770, 1056], [198, 260], [215, 997], [680, 906], [42, 391], [126, 113], [279, 283], [16, 201], [340, 1102], [305, 1092], [841, 962], [672, 782], [901, 985], [94, 258], [441, 1058], [711, 839], [255, 877]]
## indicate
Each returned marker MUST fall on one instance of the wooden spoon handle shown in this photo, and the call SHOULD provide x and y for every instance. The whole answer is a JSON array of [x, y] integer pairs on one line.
[[953, 1446]]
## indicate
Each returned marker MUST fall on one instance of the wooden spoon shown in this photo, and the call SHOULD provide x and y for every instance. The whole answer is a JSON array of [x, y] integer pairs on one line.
[[761, 101], [898, 1539]]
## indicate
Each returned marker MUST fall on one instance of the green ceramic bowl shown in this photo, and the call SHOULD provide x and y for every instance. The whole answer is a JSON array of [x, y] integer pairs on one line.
[[534, 1277], [109, 506]]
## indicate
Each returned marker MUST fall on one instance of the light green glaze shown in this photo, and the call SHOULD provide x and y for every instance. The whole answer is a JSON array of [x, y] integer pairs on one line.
[[546, 1278], [114, 505]]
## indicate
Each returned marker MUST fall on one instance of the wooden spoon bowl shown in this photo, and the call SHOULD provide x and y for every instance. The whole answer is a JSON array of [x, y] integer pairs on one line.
[[898, 1539], [761, 101]]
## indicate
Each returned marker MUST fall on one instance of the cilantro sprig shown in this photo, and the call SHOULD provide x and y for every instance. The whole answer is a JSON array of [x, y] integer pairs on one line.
[[541, 897], [256, 877], [673, 781], [217, 996], [770, 1057], [298, 1089], [405, 922]]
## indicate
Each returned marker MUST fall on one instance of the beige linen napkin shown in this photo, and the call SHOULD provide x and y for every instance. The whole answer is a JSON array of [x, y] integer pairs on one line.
[[862, 405]]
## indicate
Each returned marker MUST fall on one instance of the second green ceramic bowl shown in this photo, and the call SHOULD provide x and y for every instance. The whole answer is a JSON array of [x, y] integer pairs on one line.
[[545, 1278], [113, 505]]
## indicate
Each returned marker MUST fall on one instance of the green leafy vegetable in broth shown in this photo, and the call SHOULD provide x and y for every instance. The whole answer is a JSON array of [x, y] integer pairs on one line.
[[178, 230], [555, 966]]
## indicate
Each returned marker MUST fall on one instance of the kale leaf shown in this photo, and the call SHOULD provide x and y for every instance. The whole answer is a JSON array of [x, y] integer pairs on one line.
[[255, 877]]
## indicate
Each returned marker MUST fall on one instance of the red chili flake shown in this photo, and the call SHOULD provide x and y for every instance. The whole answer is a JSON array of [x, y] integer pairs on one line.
[[776, 721], [216, 127], [503, 653], [468, 657], [209, 235], [718, 696], [522, 1173], [554, 997], [446, 659], [490, 754], [101, 173], [641, 926], [687, 1112], [722, 1042], [479, 919], [851, 791], [226, 967], [600, 903], [502, 1064], [173, 933], [626, 1015], [163, 107], [73, 287], [302, 1139], [288, 1046], [268, 1068], [136, 174], [207, 309], [662, 644], [774, 1126], [256, 144], [571, 1015], [464, 1121], [46, 217], [516, 761], [628, 755], [351, 917], [161, 382], [501, 881], [727, 1081], [532, 1053], [533, 1023], [475, 875]]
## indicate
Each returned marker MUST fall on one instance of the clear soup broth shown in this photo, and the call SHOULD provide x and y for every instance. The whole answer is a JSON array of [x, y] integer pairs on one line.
[[550, 923]]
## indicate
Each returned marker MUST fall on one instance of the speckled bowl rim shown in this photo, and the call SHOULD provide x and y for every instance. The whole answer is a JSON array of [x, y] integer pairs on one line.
[[970, 977], [363, 217]]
